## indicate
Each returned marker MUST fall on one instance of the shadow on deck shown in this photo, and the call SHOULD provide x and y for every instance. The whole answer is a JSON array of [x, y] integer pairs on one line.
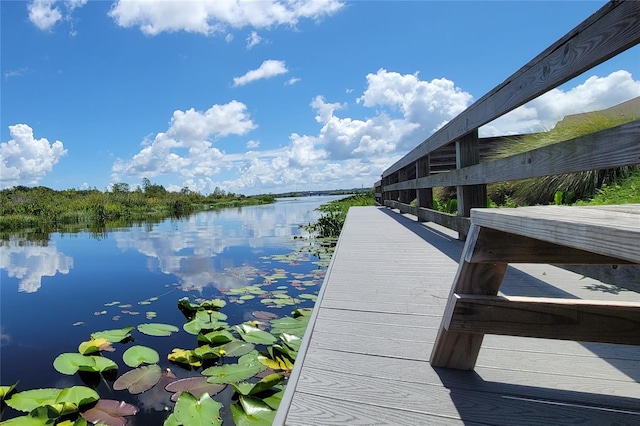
[[365, 359]]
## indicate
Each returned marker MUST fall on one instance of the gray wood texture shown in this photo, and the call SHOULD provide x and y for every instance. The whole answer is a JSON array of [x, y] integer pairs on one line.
[[599, 229], [615, 147], [568, 319], [365, 356]]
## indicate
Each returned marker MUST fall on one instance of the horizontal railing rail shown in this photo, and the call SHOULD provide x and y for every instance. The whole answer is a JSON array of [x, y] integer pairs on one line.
[[611, 30]]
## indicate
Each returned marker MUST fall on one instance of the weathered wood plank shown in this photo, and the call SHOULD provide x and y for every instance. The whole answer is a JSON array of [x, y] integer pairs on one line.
[[473, 406], [496, 246], [312, 410], [457, 223], [454, 348], [570, 389], [615, 147], [374, 318], [469, 196], [598, 230], [611, 30], [568, 319]]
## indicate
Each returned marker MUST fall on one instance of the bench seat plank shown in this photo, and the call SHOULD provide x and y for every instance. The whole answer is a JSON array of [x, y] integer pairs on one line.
[[607, 230], [568, 319]]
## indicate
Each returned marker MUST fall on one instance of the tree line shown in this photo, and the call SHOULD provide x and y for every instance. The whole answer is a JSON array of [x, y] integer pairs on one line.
[[42, 208]]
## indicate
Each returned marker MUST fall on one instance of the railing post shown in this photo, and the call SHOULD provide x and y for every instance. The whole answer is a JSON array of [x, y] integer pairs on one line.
[[395, 194], [424, 196], [469, 196], [405, 195]]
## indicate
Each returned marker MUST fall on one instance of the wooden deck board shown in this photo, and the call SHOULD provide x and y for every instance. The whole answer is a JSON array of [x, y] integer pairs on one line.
[[365, 355]]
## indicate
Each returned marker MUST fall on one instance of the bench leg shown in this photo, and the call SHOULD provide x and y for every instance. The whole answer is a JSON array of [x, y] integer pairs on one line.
[[460, 350]]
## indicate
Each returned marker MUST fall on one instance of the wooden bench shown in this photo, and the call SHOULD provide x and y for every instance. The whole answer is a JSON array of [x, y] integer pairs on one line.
[[604, 235]]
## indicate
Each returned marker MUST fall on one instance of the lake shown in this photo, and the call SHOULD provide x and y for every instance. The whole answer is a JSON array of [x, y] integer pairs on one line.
[[54, 294]]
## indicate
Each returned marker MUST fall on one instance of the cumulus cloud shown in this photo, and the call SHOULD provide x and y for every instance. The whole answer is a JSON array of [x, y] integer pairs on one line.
[[347, 150], [26, 160], [45, 14], [29, 263], [186, 146], [268, 69], [214, 16], [428, 103], [253, 40], [544, 112]]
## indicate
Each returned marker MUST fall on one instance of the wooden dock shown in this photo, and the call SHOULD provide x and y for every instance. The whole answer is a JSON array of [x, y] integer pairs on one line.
[[365, 359]]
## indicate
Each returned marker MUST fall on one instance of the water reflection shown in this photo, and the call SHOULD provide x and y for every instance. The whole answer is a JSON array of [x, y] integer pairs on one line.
[[29, 261], [206, 249]]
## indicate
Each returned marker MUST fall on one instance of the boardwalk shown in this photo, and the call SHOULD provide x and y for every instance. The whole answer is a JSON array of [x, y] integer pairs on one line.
[[367, 348]]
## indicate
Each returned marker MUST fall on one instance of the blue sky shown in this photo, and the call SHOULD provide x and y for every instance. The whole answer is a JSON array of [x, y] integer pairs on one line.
[[266, 96]]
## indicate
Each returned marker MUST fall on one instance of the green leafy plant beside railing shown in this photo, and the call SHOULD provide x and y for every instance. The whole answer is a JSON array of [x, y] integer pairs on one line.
[[330, 223]]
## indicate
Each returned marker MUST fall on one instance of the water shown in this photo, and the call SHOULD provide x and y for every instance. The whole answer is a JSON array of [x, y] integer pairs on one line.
[[53, 294]]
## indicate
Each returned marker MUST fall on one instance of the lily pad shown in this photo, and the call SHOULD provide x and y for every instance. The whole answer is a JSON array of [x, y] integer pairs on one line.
[[249, 389], [114, 336], [37, 417], [260, 418], [206, 320], [71, 363], [61, 401], [139, 380], [236, 348], [31, 399], [197, 386], [77, 395], [264, 315], [136, 355], [274, 400], [292, 341], [207, 352], [192, 411], [252, 334], [95, 345], [157, 329], [184, 356], [231, 372], [109, 412], [216, 337]]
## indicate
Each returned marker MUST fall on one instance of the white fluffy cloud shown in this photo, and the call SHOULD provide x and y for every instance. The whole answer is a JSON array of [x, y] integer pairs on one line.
[[292, 81], [427, 103], [253, 40], [45, 14], [26, 160], [269, 68], [190, 133], [213, 16], [348, 150], [29, 263], [543, 113]]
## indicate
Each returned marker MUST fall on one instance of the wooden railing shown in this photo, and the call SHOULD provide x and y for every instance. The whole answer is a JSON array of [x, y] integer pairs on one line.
[[611, 30]]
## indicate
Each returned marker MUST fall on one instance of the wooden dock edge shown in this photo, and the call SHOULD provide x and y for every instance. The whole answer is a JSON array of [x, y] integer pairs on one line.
[[292, 383]]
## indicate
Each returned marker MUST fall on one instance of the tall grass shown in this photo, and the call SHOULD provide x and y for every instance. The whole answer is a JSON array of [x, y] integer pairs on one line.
[[566, 188]]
